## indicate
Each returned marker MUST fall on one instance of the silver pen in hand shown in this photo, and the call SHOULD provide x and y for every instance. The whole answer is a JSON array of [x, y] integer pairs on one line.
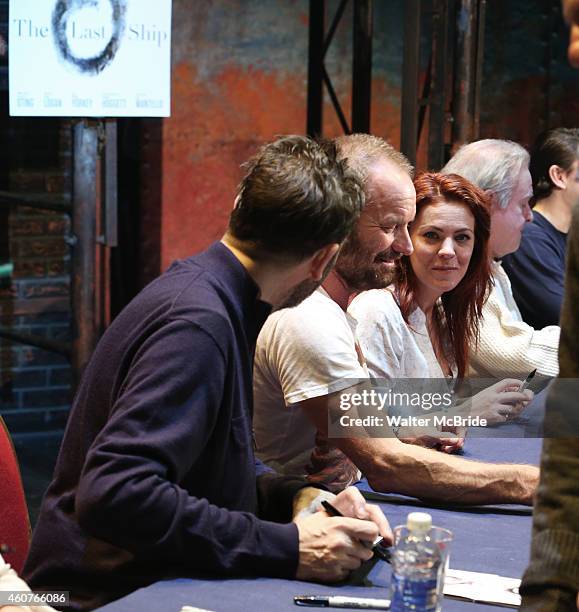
[[528, 380]]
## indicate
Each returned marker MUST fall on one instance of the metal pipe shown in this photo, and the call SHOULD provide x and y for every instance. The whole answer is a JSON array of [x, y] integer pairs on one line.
[[333, 26], [424, 101], [410, 66], [439, 70], [336, 103], [85, 156], [480, 47], [110, 188], [463, 103], [315, 68], [362, 66]]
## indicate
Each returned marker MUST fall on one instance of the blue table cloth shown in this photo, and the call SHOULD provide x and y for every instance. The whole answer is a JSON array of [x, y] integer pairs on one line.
[[493, 539]]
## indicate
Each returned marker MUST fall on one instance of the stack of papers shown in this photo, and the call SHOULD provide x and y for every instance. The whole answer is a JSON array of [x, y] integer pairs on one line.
[[487, 588]]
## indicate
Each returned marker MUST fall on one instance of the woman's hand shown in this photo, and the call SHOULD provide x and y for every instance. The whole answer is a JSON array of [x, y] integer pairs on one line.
[[501, 402]]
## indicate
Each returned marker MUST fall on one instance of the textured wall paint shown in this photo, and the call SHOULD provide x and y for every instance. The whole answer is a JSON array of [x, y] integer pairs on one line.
[[528, 85], [240, 77], [236, 82]]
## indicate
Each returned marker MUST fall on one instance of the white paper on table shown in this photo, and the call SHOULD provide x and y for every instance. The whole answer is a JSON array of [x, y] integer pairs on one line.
[[488, 588]]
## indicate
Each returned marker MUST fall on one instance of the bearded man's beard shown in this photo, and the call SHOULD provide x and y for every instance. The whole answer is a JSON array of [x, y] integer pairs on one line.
[[361, 269]]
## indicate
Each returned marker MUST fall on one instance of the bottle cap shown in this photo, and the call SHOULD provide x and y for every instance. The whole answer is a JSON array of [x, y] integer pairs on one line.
[[419, 521]]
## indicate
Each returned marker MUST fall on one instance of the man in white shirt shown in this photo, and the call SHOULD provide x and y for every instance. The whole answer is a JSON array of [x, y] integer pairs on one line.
[[307, 356], [507, 345]]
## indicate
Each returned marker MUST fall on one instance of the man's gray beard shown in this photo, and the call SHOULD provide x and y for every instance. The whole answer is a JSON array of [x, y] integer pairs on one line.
[[364, 278], [358, 268]]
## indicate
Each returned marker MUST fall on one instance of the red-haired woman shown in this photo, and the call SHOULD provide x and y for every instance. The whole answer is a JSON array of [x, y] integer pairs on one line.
[[427, 324]]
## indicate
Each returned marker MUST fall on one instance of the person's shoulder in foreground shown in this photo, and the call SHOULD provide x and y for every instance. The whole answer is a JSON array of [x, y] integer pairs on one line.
[[156, 476], [551, 583]]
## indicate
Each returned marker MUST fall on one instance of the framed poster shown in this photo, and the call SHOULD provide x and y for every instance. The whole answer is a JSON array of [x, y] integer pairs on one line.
[[90, 58]]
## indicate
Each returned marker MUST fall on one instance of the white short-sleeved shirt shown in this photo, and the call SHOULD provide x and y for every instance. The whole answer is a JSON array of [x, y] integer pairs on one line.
[[391, 347], [302, 352]]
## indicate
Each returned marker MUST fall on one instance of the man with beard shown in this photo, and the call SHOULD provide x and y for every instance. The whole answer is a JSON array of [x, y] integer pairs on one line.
[[307, 357], [156, 476]]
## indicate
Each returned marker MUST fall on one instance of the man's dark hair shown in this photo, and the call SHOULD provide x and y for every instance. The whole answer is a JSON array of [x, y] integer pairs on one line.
[[558, 147], [295, 198]]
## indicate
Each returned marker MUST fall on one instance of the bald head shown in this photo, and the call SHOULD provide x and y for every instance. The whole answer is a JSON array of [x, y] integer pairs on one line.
[[363, 151]]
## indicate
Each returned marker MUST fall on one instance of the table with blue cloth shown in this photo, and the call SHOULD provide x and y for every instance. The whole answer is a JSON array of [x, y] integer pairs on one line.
[[491, 539]]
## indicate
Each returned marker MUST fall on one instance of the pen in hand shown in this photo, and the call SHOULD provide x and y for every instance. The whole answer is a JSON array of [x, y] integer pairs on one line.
[[379, 548], [528, 380]]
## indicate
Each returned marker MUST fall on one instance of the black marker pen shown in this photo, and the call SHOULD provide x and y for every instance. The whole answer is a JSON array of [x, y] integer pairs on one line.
[[528, 380], [379, 547]]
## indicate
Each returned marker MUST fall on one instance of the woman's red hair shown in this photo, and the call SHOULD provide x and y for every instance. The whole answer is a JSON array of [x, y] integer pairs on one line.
[[457, 320]]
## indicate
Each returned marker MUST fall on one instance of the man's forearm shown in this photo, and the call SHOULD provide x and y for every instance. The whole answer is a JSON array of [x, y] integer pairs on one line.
[[394, 467]]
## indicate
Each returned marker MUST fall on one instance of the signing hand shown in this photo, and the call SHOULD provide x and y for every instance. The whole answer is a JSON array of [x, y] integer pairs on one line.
[[351, 503], [331, 547]]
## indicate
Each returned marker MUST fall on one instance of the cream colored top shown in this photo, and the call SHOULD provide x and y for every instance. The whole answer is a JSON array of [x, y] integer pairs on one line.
[[507, 345]]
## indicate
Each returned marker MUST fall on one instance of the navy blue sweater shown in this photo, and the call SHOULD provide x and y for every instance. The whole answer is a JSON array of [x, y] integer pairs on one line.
[[536, 272], [156, 476]]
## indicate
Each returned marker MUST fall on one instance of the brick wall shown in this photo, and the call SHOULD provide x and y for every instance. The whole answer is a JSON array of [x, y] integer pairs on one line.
[[35, 383]]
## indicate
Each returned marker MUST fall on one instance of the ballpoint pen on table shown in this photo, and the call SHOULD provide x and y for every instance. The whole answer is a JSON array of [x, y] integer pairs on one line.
[[337, 601], [380, 549]]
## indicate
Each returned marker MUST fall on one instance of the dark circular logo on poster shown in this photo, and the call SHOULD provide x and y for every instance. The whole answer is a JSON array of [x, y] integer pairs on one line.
[[64, 10]]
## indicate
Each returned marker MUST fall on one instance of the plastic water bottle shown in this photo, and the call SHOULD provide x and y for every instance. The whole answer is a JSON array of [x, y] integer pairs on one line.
[[415, 567]]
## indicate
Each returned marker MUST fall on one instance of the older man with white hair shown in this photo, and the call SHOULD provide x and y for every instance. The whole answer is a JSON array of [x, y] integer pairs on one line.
[[507, 345]]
